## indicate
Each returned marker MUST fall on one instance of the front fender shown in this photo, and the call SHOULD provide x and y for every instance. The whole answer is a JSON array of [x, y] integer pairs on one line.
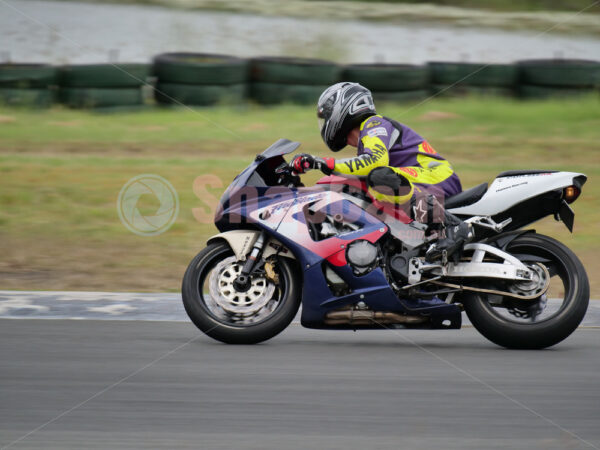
[[241, 242]]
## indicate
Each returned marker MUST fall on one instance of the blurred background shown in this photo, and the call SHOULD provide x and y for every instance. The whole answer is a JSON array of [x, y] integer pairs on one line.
[[95, 93]]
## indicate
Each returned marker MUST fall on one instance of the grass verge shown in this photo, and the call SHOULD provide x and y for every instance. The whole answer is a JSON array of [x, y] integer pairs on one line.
[[61, 172]]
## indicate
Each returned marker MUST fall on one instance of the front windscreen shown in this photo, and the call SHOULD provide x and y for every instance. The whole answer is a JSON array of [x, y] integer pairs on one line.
[[281, 147]]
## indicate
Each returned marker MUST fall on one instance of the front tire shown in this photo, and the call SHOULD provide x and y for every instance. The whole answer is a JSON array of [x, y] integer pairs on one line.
[[520, 328], [255, 316]]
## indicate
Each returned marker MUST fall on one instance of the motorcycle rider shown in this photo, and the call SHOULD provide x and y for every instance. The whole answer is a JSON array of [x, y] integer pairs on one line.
[[400, 167]]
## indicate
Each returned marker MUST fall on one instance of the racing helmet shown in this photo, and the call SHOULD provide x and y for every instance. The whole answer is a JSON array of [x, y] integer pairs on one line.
[[341, 108]]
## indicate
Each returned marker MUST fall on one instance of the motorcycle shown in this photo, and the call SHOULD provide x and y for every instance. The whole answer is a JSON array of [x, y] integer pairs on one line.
[[355, 266]]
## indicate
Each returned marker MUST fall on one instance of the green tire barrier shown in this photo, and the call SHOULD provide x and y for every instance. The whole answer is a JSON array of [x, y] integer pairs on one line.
[[26, 96], [560, 72], [474, 74], [388, 77], [199, 68], [27, 75], [103, 75], [297, 71], [401, 96], [201, 95], [275, 93], [529, 91], [207, 79], [460, 90], [100, 97]]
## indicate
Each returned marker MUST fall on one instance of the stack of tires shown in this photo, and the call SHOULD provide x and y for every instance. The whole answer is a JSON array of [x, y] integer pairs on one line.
[[199, 79], [27, 84], [557, 77], [390, 82], [457, 79], [102, 85], [290, 80]]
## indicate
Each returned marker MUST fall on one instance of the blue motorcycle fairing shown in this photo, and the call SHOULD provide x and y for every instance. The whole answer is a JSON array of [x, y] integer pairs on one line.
[[254, 199], [371, 289]]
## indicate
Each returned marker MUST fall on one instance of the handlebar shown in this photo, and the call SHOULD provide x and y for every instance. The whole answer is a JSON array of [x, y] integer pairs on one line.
[[287, 176]]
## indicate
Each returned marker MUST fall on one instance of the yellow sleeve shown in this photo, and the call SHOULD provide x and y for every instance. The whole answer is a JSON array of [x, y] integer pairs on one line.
[[376, 155]]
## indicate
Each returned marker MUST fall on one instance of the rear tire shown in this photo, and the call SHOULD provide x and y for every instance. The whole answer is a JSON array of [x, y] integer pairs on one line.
[[536, 335], [286, 298]]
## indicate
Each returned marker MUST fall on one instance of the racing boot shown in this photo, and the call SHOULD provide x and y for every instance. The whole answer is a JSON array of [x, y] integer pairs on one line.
[[457, 234]]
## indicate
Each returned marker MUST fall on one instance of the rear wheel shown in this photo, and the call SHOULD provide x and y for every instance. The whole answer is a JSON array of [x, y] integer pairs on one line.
[[228, 315], [546, 320]]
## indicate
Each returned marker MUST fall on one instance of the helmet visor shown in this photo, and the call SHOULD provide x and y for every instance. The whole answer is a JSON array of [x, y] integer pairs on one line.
[[321, 124]]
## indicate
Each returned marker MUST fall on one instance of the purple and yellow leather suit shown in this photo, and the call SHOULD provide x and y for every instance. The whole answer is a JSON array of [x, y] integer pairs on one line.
[[383, 142]]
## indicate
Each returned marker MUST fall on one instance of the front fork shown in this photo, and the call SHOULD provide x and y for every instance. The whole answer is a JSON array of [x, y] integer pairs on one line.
[[242, 282]]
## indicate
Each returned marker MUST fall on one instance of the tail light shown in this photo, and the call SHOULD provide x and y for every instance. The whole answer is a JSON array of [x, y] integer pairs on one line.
[[570, 193]]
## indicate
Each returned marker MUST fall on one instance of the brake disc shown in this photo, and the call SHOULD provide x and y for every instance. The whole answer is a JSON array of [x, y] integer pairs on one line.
[[224, 294]]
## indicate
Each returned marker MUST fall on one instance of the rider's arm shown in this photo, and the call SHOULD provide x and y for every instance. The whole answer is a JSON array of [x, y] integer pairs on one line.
[[376, 155], [376, 138]]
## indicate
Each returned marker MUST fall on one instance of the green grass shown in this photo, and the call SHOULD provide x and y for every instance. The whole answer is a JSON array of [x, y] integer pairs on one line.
[[61, 172]]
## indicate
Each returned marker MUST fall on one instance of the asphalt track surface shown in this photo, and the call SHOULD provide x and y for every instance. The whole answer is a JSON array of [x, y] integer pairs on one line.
[[74, 384], [132, 306]]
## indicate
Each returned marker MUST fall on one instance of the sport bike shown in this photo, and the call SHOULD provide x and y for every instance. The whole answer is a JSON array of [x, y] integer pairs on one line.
[[354, 266]]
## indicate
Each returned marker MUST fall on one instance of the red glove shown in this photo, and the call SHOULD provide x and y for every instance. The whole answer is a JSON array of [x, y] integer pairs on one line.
[[303, 163]]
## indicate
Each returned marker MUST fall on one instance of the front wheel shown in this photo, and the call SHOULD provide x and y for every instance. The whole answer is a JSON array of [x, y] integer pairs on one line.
[[546, 320], [214, 305]]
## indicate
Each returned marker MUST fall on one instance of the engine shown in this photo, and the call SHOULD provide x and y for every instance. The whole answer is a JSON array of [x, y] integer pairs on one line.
[[362, 256]]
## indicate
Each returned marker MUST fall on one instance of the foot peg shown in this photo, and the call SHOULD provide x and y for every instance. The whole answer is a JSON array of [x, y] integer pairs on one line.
[[456, 237]]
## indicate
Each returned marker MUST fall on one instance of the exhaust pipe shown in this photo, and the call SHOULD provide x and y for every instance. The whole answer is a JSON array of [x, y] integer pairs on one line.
[[366, 317]]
